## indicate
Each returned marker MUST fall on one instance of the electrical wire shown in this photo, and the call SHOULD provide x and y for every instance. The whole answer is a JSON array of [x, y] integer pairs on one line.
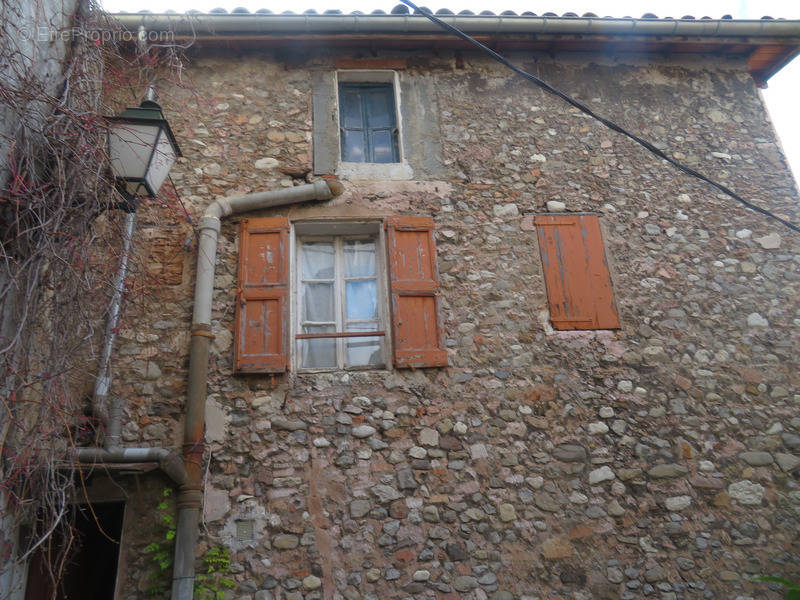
[[588, 111], [189, 218]]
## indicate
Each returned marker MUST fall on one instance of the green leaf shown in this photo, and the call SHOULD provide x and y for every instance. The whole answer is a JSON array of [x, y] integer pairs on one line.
[[152, 547], [793, 593], [781, 580], [170, 534]]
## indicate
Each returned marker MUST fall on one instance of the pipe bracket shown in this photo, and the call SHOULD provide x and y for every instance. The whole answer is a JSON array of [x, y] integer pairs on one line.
[[207, 334], [210, 222], [190, 497], [192, 448]]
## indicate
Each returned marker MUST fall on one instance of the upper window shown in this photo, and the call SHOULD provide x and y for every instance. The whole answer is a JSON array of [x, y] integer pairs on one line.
[[376, 124], [368, 123], [339, 303], [576, 275]]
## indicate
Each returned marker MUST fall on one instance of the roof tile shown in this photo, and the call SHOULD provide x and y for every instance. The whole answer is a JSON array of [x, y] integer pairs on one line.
[[402, 9]]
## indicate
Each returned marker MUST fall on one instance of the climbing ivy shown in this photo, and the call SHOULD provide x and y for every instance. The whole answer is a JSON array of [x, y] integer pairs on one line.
[[212, 583], [792, 589], [161, 550]]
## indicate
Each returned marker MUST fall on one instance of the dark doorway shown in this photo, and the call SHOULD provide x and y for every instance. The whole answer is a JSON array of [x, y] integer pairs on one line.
[[91, 572]]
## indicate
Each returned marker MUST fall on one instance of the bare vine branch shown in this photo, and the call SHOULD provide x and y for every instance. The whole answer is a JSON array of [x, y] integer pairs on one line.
[[57, 248]]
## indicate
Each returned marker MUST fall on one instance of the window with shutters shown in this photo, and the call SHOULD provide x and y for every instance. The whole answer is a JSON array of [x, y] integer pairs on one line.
[[361, 295], [576, 274]]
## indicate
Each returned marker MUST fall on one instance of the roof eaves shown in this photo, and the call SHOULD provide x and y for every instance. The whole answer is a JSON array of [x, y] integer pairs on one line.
[[778, 40]]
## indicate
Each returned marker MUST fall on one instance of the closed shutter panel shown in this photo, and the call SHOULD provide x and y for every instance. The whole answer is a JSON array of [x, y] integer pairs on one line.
[[576, 274], [416, 327], [261, 307]]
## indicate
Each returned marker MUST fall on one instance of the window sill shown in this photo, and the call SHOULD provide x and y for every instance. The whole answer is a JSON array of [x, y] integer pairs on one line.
[[377, 171]]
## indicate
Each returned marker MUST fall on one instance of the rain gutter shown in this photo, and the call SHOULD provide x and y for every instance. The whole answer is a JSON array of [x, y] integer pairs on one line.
[[220, 24]]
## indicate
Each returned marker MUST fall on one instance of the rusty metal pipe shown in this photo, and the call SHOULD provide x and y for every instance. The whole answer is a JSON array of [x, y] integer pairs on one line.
[[169, 462], [191, 493]]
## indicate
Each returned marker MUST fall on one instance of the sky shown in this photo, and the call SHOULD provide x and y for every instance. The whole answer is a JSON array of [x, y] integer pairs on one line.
[[781, 96]]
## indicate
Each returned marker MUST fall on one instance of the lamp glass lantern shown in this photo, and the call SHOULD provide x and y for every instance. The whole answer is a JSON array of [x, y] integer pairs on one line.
[[142, 149]]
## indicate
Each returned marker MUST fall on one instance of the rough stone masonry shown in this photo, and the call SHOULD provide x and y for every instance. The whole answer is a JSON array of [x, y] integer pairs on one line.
[[656, 461]]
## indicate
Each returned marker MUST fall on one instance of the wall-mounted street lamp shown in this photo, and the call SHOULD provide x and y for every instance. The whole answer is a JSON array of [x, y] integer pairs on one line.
[[142, 149]]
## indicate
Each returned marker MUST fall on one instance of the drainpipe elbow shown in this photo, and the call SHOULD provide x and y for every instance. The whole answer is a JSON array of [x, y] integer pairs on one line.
[[172, 465], [220, 208], [214, 210], [335, 187]]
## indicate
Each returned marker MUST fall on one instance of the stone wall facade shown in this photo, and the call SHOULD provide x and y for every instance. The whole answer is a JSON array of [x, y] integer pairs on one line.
[[656, 461]]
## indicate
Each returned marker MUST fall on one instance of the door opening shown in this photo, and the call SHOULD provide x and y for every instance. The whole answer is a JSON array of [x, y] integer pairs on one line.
[[91, 571]]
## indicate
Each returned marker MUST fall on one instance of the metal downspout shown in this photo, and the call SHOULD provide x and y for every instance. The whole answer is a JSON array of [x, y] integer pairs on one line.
[[191, 493], [111, 410], [113, 414]]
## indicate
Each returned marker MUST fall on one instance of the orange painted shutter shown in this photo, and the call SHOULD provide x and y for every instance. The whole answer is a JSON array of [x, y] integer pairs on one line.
[[575, 271], [414, 281], [261, 308]]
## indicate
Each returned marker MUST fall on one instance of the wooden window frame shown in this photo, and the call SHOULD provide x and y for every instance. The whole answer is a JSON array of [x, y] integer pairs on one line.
[[386, 89], [344, 230], [399, 170]]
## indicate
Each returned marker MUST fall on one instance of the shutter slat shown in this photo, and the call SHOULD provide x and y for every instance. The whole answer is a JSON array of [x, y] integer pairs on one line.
[[260, 344], [414, 281], [576, 274]]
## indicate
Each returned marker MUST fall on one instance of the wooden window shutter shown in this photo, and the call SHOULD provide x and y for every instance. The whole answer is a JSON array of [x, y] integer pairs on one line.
[[576, 274], [262, 300], [414, 282]]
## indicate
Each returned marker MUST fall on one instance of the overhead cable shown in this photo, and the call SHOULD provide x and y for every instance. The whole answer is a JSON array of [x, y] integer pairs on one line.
[[588, 111]]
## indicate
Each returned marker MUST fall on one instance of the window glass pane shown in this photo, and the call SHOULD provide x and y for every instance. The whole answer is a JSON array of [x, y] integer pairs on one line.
[[317, 259], [353, 146], [331, 272], [361, 299], [382, 146], [317, 302], [317, 353], [350, 109], [359, 258], [380, 107], [363, 351]]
